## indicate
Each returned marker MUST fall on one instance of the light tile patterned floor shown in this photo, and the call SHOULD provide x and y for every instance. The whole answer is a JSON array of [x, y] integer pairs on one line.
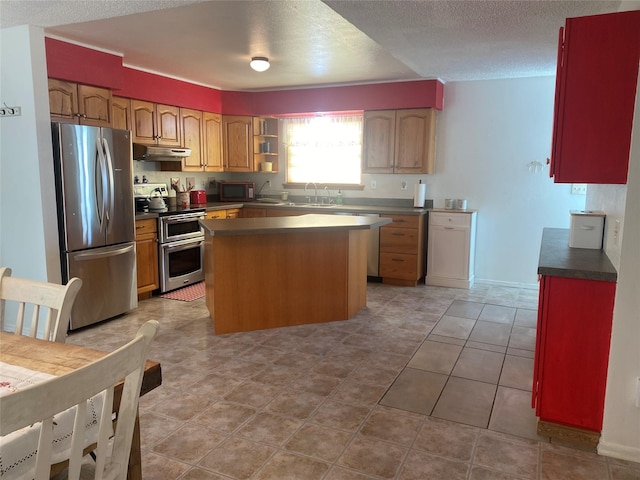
[[303, 402]]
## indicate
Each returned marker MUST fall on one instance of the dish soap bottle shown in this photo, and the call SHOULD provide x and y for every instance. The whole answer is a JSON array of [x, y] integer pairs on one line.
[[339, 198]]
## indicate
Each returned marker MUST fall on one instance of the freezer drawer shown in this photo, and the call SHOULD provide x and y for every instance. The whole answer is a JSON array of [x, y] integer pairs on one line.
[[108, 283]]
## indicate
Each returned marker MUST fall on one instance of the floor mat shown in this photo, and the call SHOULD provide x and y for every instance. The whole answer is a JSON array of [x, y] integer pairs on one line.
[[186, 294]]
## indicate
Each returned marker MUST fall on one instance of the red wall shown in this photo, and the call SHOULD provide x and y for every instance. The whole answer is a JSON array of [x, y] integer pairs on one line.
[[84, 65], [155, 88], [73, 63]]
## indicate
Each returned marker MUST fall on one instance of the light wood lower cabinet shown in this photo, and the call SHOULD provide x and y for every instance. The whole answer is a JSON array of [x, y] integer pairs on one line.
[[253, 212], [451, 249], [223, 214], [402, 250], [147, 256]]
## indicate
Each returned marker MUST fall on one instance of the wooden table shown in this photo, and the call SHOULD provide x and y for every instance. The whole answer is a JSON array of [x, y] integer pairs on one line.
[[60, 358]]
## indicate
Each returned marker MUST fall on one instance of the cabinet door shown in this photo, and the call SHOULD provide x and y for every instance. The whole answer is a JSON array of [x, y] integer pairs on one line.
[[212, 142], [143, 130], [238, 143], [595, 98], [192, 138], [219, 214], [94, 106], [147, 255], [378, 143], [167, 119], [63, 101], [415, 141], [573, 351], [121, 113], [448, 252], [253, 212]]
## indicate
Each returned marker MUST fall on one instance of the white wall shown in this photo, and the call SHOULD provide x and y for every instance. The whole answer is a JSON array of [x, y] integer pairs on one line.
[[621, 428], [28, 222], [487, 134]]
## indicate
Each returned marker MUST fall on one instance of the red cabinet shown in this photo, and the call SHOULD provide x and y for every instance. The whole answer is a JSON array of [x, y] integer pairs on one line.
[[572, 351], [595, 96]]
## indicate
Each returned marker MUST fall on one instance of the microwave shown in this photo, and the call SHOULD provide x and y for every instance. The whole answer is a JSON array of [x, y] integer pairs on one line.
[[237, 191]]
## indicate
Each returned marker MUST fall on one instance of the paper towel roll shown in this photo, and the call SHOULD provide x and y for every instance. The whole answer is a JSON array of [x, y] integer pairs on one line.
[[419, 195]]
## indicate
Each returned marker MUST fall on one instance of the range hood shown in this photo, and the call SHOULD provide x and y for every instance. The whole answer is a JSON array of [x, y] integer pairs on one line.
[[159, 154]]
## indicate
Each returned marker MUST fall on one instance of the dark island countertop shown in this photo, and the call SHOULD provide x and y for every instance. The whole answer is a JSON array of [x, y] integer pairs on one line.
[[302, 223], [559, 260], [358, 209]]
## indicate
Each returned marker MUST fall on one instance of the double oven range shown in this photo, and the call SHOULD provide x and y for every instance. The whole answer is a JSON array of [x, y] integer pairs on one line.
[[180, 237]]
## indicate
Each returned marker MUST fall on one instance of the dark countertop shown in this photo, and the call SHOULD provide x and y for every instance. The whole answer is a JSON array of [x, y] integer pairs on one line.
[[381, 209], [302, 223], [559, 260]]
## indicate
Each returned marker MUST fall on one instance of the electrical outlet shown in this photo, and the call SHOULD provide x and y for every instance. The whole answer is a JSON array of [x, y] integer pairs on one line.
[[616, 232], [578, 188], [268, 183], [403, 185], [374, 184]]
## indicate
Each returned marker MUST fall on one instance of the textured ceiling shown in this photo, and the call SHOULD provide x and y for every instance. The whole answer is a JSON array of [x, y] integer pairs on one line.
[[313, 42]]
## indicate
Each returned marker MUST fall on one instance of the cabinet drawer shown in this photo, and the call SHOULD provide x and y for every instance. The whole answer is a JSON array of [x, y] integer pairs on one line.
[[402, 221], [216, 214], [452, 219], [398, 265], [400, 240], [144, 227]]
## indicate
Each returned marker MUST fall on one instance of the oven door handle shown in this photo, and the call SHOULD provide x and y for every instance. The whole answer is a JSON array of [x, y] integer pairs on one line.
[[184, 245], [182, 219]]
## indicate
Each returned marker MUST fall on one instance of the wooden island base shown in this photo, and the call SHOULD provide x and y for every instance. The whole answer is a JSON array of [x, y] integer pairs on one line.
[[267, 280]]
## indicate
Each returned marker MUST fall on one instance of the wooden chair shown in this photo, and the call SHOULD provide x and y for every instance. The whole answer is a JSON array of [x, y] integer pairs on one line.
[[26, 407], [58, 299]]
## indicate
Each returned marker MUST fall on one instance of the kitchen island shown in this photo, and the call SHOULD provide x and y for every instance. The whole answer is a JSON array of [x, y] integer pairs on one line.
[[282, 271]]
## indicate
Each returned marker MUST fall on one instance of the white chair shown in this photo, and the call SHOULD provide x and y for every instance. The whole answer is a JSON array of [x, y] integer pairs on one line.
[[40, 402], [58, 299]]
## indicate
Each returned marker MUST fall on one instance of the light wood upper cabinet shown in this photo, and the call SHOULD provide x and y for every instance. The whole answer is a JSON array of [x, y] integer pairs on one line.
[[237, 143], [121, 113], [399, 141], [73, 103], [212, 123], [379, 141], [192, 136], [156, 124]]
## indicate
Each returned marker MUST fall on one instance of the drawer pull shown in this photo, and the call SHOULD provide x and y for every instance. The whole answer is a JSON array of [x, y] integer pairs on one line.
[[138, 227], [397, 260], [449, 228], [398, 234]]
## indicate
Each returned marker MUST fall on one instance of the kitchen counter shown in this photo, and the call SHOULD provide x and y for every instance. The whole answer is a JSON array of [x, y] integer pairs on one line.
[[381, 209], [281, 271], [314, 223], [559, 260]]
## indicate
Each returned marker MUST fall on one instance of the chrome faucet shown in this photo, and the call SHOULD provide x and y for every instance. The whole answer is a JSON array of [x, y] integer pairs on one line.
[[315, 187]]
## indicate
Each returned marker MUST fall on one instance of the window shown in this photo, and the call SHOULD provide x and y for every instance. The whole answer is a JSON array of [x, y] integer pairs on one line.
[[324, 149]]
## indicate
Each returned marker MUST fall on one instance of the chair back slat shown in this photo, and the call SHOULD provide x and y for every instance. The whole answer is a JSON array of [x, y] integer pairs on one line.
[[38, 298], [25, 407]]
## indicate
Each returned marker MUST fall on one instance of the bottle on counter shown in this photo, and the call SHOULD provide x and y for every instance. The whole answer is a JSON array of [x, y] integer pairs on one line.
[[339, 198]]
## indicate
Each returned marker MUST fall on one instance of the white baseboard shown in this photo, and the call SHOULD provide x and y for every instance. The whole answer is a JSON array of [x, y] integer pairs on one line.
[[500, 283], [616, 450]]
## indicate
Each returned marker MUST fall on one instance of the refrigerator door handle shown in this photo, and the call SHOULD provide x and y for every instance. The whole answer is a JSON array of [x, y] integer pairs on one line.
[[109, 173], [110, 253], [101, 169]]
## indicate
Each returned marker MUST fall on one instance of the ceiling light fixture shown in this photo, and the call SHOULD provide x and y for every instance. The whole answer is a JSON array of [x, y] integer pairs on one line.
[[259, 64]]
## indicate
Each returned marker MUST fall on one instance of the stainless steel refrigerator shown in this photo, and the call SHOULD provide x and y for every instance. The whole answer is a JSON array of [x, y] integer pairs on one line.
[[96, 219]]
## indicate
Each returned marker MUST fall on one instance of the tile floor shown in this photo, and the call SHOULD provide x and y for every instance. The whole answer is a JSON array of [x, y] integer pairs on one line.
[[424, 383]]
